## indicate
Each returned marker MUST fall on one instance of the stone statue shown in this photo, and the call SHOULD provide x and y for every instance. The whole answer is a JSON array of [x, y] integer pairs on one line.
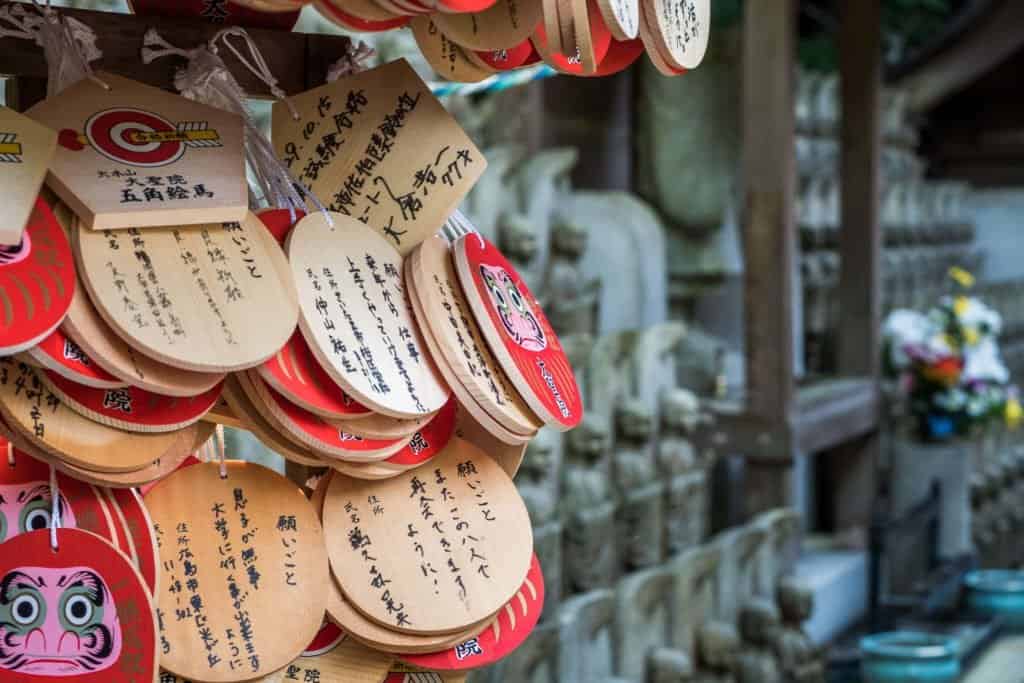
[[759, 625], [685, 478], [570, 299], [517, 238], [669, 666], [637, 485], [718, 646], [537, 483], [799, 658], [588, 508]]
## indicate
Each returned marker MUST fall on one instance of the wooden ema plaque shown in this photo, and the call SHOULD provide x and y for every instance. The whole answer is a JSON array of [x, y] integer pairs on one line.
[[622, 17], [218, 13], [466, 399], [140, 533], [208, 298], [503, 25], [653, 45], [356, 318], [58, 353], [305, 428], [121, 540], [135, 156], [379, 147], [36, 414], [298, 376], [507, 59], [130, 408], [461, 511], [347, 661], [26, 149], [86, 592], [447, 314], [518, 332], [589, 46], [351, 22], [508, 456], [244, 572], [383, 427], [37, 281], [238, 397], [506, 632], [445, 56], [680, 29], [26, 502]]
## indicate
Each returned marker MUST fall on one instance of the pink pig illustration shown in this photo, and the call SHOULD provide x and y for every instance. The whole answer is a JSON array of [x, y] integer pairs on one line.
[[514, 310], [57, 622]]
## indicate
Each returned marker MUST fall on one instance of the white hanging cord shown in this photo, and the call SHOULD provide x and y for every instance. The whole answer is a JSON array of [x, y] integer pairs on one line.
[[10, 454], [220, 452], [357, 60], [55, 521], [206, 79], [69, 45]]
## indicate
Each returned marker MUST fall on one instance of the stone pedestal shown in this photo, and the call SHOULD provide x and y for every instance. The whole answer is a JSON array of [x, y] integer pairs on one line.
[[915, 466]]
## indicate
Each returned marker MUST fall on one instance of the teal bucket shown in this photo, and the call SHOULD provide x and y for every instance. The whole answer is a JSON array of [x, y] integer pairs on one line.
[[909, 657], [997, 593]]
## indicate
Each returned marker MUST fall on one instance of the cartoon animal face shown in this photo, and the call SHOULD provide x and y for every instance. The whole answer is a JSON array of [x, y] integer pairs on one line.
[[514, 310], [14, 253], [27, 507], [57, 622]]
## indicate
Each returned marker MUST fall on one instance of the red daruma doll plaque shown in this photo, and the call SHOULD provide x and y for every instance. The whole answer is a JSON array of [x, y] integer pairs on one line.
[[80, 613]]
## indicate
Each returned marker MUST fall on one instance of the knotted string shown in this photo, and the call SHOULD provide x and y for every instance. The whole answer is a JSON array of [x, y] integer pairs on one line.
[[205, 78], [221, 452], [10, 454], [356, 60], [69, 46], [55, 521]]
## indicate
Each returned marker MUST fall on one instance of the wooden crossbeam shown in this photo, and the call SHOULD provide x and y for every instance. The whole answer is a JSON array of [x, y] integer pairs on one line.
[[299, 60]]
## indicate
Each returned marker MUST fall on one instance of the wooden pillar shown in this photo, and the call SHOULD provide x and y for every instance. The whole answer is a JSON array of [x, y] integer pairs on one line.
[[852, 467], [769, 235]]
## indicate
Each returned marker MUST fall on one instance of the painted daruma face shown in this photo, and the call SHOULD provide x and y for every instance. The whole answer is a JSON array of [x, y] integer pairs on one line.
[[28, 507], [514, 310], [57, 622]]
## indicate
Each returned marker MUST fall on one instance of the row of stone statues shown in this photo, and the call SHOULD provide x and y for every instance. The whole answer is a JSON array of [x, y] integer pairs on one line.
[[997, 499], [728, 611]]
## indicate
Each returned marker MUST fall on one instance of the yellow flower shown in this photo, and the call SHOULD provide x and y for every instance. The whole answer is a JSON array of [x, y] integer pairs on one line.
[[971, 336], [960, 305], [1013, 413], [963, 277]]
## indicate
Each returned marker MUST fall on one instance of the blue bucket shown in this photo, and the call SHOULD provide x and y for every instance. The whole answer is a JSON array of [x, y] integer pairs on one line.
[[997, 593], [909, 657]]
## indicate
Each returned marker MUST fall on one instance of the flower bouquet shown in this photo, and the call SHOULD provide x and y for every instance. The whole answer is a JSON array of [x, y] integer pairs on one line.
[[948, 366]]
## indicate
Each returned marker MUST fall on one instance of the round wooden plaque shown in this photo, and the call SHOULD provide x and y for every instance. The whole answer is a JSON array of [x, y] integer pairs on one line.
[[121, 539], [26, 502], [509, 456], [39, 416], [324, 438], [583, 57], [428, 442], [298, 376], [208, 298], [367, 10], [130, 408], [504, 60], [518, 332], [466, 516], [248, 563], [329, 637], [140, 531], [179, 452], [506, 632], [621, 55], [86, 593], [466, 399], [383, 427], [353, 23], [653, 45], [503, 25], [37, 281], [57, 353], [238, 397], [227, 13], [356, 319], [681, 29], [622, 17], [445, 312], [446, 57]]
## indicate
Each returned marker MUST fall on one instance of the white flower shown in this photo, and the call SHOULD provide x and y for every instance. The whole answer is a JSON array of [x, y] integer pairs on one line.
[[974, 313], [904, 328], [982, 363]]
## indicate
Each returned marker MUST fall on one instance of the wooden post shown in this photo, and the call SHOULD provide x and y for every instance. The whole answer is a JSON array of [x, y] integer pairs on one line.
[[851, 467], [769, 236]]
